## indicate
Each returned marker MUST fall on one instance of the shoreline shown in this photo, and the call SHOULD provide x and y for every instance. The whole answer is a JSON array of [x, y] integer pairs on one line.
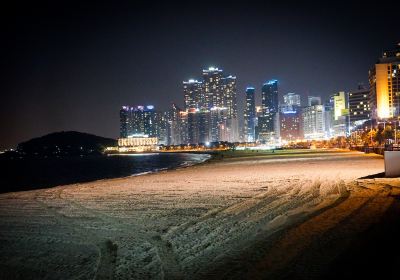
[[43, 173]]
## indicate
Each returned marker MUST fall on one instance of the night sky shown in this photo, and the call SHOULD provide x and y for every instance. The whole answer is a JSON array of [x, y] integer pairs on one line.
[[71, 66]]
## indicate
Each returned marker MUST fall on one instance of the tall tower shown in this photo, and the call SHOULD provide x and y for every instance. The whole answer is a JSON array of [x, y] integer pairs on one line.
[[384, 81], [193, 97], [212, 86], [250, 115], [230, 132], [268, 128], [124, 121]]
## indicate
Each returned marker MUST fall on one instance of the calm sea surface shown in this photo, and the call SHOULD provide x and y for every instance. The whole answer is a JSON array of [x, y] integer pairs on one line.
[[26, 174]]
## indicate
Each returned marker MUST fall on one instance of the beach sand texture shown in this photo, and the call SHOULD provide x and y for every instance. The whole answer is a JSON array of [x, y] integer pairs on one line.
[[250, 217]]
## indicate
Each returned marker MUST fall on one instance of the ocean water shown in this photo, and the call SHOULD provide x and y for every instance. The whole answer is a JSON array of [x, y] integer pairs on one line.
[[27, 174]]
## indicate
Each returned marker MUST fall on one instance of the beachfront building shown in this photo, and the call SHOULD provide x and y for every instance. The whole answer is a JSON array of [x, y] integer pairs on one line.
[[250, 115], [314, 122], [193, 95], [137, 143], [268, 127], [138, 120], [384, 81]]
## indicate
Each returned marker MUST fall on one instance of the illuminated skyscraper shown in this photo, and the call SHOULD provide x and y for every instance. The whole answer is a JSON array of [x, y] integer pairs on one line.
[[268, 123], [124, 121], [138, 120], [250, 115], [193, 96], [384, 81], [174, 126], [212, 87]]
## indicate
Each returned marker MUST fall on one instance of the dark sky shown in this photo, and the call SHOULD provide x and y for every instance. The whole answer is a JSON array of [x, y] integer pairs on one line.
[[71, 66]]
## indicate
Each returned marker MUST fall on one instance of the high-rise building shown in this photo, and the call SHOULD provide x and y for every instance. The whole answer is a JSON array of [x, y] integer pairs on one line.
[[314, 100], [313, 122], [138, 120], [267, 124], [359, 110], [193, 97], [229, 98], [212, 87], [292, 99], [384, 81], [174, 127], [124, 121], [250, 115]]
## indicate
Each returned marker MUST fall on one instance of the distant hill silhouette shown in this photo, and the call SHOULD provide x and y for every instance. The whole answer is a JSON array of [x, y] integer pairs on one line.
[[65, 143]]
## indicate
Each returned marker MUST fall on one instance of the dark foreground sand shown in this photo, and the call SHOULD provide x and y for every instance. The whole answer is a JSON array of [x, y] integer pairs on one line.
[[298, 216]]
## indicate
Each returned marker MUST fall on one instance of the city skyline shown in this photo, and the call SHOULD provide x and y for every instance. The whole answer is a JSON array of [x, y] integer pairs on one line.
[[68, 69]]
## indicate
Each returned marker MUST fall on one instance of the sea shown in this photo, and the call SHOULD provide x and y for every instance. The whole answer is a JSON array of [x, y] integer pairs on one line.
[[34, 173]]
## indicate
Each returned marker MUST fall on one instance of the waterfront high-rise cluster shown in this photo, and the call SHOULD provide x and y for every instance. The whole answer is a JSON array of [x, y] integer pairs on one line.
[[210, 110]]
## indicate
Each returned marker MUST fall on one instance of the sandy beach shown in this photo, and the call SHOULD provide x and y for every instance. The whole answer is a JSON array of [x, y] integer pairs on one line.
[[306, 216]]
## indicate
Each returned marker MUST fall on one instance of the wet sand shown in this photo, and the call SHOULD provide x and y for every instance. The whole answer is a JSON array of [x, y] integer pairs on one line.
[[303, 216]]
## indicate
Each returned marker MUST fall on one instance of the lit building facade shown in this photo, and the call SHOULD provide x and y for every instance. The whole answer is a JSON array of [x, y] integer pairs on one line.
[[290, 125], [268, 130], [137, 143], [174, 126], [340, 114], [138, 120], [193, 97], [384, 81], [359, 110], [314, 122], [250, 115]]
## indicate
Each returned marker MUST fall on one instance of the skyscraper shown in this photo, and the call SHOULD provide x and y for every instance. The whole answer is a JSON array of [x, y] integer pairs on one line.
[[250, 115], [212, 87], [267, 124], [124, 121], [229, 97], [384, 81], [174, 126], [138, 120], [193, 97]]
